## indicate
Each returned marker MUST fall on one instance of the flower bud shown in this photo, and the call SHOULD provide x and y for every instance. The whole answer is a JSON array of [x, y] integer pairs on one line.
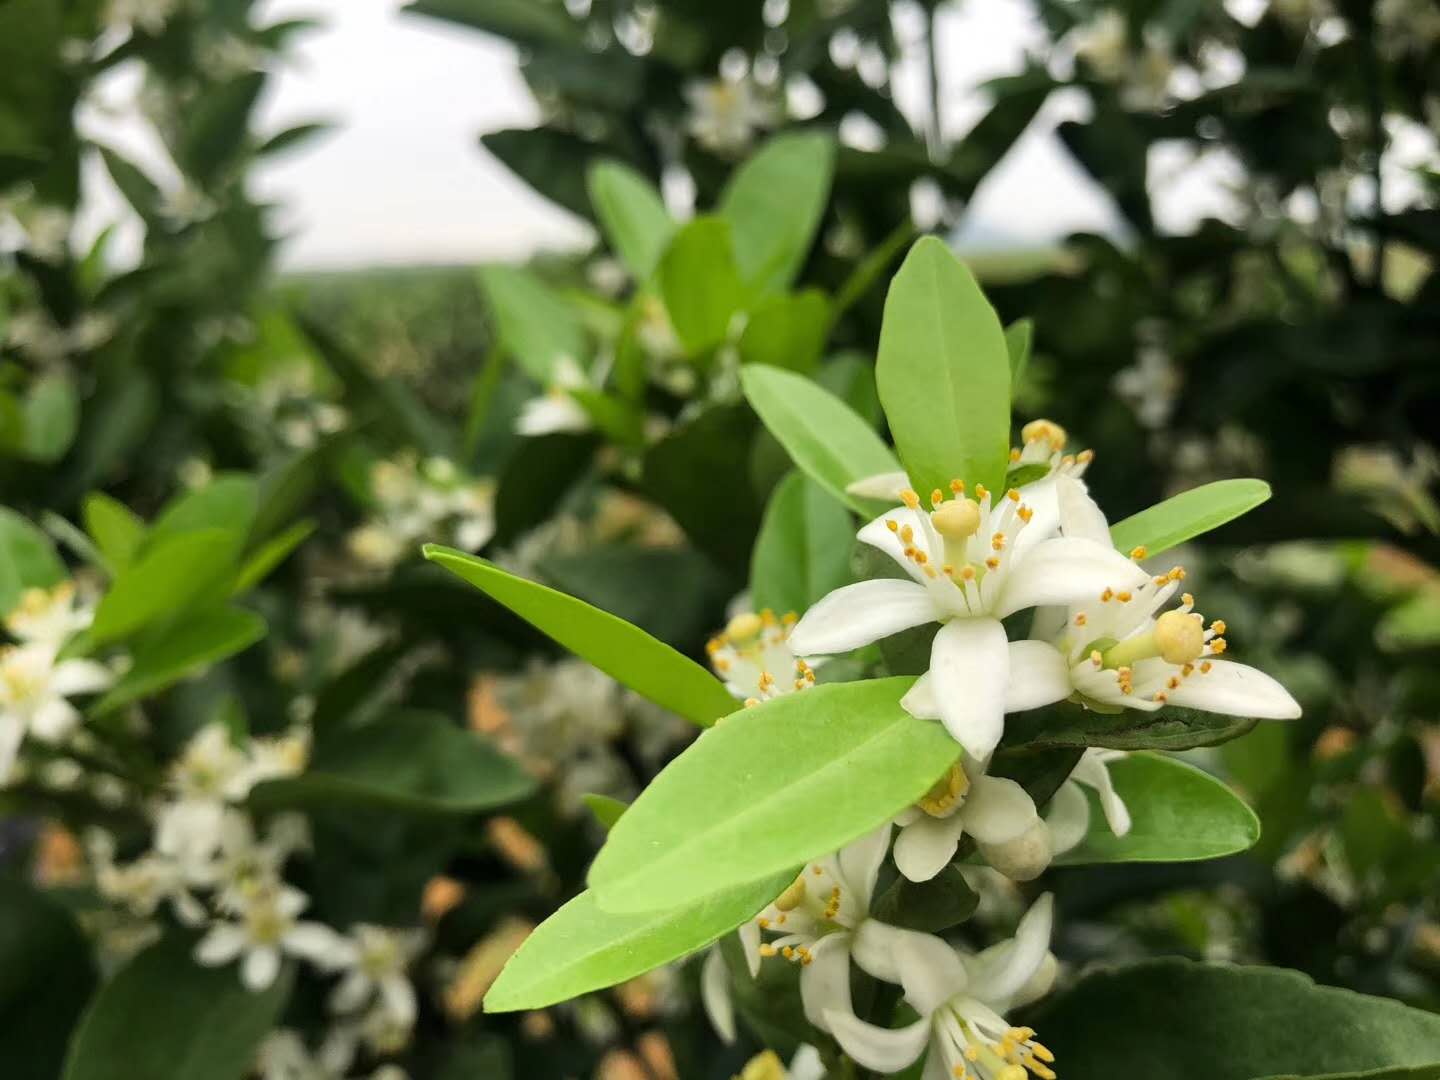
[[1025, 857]]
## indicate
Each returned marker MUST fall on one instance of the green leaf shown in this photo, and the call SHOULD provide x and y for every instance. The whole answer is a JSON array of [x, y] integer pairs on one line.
[[1188, 514], [944, 373], [787, 331], [27, 560], [1065, 726], [528, 22], [632, 214], [46, 976], [932, 907], [164, 1017], [1178, 1020], [774, 203], [1019, 339], [533, 324], [201, 639], [269, 555], [418, 762], [700, 283], [776, 784], [228, 503], [52, 416], [607, 811], [291, 137], [822, 435], [214, 127], [803, 550], [116, 529], [169, 576], [1177, 812], [582, 947], [649, 667]]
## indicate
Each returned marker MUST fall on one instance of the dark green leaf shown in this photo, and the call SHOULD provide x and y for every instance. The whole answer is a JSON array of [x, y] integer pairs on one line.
[[803, 550], [204, 638], [787, 331], [700, 283], [115, 528]]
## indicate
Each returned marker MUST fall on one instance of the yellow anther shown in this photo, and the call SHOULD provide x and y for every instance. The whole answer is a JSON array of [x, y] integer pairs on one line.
[[1046, 430], [1180, 637], [762, 922], [1124, 596], [1096, 658], [992, 563], [1218, 626], [1011, 1072], [910, 499], [1085, 457], [1107, 595], [1138, 552], [937, 497], [749, 701], [956, 519], [1013, 495], [957, 487], [1014, 454], [744, 628], [1218, 646], [981, 491], [967, 572], [1080, 618], [1040, 1051], [907, 534], [997, 542], [945, 792], [768, 951], [1188, 599], [892, 525], [1205, 667], [1025, 514], [1160, 696], [792, 897]]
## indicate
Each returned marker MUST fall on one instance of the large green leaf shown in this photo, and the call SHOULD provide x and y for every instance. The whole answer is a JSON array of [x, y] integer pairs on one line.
[[625, 652], [1064, 726], [823, 436], [700, 283], [46, 975], [201, 639], [1187, 515], [27, 559], [787, 331], [632, 214], [803, 550], [403, 762], [164, 1017], [583, 947], [168, 577], [1177, 1020], [774, 204], [1019, 339], [1177, 812], [944, 373], [52, 415], [116, 529], [533, 323], [770, 787], [229, 502]]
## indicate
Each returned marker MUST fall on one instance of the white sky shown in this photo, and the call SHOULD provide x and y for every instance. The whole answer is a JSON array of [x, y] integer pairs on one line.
[[404, 179]]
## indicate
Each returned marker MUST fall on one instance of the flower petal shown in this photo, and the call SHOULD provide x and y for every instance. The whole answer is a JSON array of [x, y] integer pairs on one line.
[[318, 944], [919, 700], [880, 536], [875, 948], [1003, 970], [1079, 516], [1093, 770], [80, 677], [1068, 817], [1235, 689], [1038, 676], [807, 1064], [997, 810], [825, 980], [885, 485], [1041, 498], [54, 720], [861, 613], [12, 733], [715, 994], [860, 862], [1063, 570], [259, 968], [930, 972], [926, 845], [750, 941], [886, 1050], [221, 945], [969, 665]]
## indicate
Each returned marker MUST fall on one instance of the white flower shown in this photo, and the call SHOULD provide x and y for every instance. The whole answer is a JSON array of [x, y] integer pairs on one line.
[[49, 616], [34, 686], [961, 999], [1069, 813], [284, 1056], [971, 565], [243, 866], [1104, 44], [805, 1065], [148, 15], [754, 659], [266, 931], [1150, 386], [725, 114], [473, 506], [992, 809], [277, 757], [377, 964], [142, 885], [556, 410], [823, 920]]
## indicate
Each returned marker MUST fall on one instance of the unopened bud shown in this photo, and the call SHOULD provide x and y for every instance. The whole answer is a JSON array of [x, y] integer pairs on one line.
[[1024, 858]]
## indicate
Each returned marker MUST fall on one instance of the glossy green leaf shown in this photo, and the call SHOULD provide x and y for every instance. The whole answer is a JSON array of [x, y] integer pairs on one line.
[[1178, 1020], [197, 641], [533, 323], [170, 575], [116, 529], [269, 555], [606, 810], [583, 947], [52, 415], [775, 785], [229, 503], [944, 373], [1187, 515], [1019, 339], [700, 283], [774, 203], [632, 214], [803, 550], [164, 1017], [46, 976], [822, 435], [27, 560], [1178, 814], [1070, 727], [787, 331], [418, 762], [625, 652]]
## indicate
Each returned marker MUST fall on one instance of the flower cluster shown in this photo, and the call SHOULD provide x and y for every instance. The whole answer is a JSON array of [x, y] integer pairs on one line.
[[417, 500]]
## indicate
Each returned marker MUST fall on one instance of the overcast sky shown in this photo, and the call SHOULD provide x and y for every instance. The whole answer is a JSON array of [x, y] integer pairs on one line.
[[403, 179]]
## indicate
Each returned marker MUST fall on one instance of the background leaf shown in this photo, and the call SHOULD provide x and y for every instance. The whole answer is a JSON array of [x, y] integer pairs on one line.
[[701, 284], [533, 323], [632, 214], [203, 638], [803, 550], [1189, 514], [27, 559], [774, 203]]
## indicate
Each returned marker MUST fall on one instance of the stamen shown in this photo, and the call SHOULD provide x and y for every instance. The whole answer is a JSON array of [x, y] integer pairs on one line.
[[1138, 552], [910, 499]]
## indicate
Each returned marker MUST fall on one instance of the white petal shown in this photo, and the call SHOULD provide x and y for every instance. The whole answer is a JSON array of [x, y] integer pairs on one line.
[[1042, 499], [1064, 570], [807, 1064], [969, 665], [80, 677], [860, 862], [861, 613], [12, 732], [352, 993], [885, 485], [1079, 516], [550, 413], [930, 972], [318, 944], [1038, 676], [875, 948], [54, 720], [1068, 817], [886, 1050], [221, 945], [1003, 970], [997, 810], [919, 700], [715, 994], [1238, 690], [935, 1068], [825, 981], [880, 536], [398, 994], [926, 845], [1093, 770], [260, 968], [750, 941]]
